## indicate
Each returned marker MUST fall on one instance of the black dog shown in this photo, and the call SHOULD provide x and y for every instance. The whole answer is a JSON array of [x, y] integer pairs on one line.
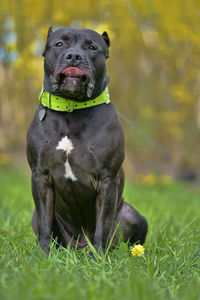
[[76, 148]]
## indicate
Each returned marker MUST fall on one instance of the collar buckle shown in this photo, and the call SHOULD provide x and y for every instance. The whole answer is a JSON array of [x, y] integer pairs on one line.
[[69, 107]]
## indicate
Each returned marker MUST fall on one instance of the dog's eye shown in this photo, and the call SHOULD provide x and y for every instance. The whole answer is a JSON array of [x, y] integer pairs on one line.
[[92, 47], [59, 44]]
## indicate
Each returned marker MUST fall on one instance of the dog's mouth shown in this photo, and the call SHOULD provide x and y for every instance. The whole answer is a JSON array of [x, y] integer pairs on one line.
[[72, 82], [72, 79], [73, 74]]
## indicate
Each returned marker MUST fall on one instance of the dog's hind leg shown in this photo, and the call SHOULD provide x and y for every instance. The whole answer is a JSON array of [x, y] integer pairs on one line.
[[133, 225]]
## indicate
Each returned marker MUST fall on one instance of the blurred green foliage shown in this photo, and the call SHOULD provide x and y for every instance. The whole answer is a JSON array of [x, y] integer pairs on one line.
[[154, 68]]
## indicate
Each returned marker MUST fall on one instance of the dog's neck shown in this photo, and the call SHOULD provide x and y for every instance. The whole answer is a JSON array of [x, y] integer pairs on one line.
[[97, 90], [68, 105]]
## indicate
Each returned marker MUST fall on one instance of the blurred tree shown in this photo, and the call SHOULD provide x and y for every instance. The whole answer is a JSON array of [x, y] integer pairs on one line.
[[154, 66]]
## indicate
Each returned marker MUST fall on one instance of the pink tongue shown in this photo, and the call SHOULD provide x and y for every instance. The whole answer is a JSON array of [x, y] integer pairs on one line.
[[73, 71]]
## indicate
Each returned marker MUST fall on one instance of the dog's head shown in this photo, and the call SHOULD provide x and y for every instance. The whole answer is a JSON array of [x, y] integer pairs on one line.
[[74, 64]]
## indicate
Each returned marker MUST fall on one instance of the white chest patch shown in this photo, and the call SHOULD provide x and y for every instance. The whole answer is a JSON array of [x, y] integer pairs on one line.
[[66, 145]]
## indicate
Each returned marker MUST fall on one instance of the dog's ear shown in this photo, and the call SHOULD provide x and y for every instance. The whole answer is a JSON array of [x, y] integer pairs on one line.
[[50, 31], [107, 41], [106, 38]]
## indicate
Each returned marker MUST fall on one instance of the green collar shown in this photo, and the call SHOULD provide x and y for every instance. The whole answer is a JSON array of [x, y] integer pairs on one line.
[[62, 104]]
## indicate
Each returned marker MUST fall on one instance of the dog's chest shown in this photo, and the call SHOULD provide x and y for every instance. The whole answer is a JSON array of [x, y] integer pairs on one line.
[[74, 159], [80, 147], [65, 144]]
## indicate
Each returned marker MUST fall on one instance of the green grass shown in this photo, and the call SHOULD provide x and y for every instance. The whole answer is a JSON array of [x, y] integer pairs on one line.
[[170, 268]]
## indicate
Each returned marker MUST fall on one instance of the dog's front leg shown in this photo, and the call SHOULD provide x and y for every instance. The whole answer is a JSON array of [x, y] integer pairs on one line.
[[106, 204], [43, 195]]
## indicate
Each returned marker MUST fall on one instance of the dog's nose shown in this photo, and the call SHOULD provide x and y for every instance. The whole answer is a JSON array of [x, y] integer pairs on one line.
[[73, 57]]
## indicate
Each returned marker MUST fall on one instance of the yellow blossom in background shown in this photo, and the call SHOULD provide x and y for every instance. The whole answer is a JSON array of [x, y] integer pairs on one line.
[[4, 158], [153, 179], [150, 179], [137, 250]]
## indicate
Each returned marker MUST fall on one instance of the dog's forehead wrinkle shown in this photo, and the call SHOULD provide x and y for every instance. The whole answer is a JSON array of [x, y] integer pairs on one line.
[[65, 36], [89, 41], [77, 38]]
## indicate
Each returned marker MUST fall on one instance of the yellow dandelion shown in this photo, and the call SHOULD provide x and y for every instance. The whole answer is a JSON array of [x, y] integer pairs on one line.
[[137, 250]]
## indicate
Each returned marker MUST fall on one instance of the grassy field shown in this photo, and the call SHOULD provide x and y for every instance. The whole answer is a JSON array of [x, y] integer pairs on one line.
[[170, 268]]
